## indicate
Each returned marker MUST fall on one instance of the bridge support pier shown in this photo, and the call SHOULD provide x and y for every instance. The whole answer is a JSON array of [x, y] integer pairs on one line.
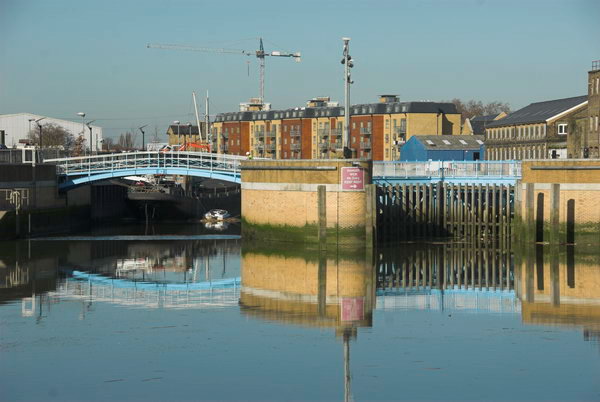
[[306, 201]]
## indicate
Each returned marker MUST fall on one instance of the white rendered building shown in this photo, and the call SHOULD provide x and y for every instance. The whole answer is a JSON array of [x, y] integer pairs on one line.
[[17, 126]]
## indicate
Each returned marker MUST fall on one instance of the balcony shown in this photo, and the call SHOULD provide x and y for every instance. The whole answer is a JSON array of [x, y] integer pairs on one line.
[[295, 146], [324, 145], [336, 145], [260, 147], [270, 147], [323, 132], [337, 132], [365, 145], [295, 133], [399, 130], [366, 131], [271, 134]]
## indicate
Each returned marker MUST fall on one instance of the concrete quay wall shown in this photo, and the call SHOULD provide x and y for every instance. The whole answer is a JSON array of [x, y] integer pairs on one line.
[[558, 201], [303, 201]]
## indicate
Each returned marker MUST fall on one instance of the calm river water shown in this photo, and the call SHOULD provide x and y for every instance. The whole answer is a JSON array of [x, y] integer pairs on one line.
[[184, 313]]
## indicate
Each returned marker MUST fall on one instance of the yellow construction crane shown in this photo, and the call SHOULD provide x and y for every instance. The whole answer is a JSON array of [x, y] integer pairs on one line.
[[260, 55]]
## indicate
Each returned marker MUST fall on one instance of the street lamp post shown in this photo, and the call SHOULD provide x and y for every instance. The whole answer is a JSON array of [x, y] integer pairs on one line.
[[143, 137], [40, 128], [348, 64], [82, 115], [91, 137]]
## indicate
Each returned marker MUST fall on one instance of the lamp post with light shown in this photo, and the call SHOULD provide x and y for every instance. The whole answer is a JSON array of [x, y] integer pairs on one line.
[[348, 63], [91, 137]]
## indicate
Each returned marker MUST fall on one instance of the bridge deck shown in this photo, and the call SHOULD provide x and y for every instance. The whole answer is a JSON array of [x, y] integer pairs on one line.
[[86, 169]]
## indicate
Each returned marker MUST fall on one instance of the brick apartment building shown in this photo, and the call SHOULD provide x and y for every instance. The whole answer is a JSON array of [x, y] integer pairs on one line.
[[377, 130]]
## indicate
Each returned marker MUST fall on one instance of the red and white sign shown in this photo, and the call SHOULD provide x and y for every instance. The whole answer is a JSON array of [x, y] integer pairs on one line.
[[353, 178], [353, 308]]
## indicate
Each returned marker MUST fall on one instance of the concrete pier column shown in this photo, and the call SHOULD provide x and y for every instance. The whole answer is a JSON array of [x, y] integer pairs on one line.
[[554, 235], [529, 231], [322, 210]]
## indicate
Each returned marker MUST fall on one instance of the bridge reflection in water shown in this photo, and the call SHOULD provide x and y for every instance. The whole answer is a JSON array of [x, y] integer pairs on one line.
[[339, 290]]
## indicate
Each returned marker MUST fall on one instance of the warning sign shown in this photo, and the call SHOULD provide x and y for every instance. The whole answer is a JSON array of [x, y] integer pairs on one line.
[[353, 308], [353, 178]]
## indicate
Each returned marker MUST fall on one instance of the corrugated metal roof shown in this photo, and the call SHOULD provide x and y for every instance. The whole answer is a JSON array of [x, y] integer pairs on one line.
[[449, 142], [538, 112]]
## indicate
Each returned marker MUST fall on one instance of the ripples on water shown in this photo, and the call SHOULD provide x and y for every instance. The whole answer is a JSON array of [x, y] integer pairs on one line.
[[197, 315]]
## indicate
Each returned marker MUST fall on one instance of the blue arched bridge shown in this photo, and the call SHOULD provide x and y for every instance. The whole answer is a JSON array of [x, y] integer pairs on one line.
[[86, 169]]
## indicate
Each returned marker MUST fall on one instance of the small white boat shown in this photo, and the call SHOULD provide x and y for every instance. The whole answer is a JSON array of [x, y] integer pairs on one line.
[[216, 215]]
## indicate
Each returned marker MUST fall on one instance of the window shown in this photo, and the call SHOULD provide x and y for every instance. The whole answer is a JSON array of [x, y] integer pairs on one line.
[[463, 142], [479, 142], [387, 153], [562, 129], [353, 125], [387, 138], [387, 124], [353, 140], [596, 123], [446, 142], [285, 141], [429, 142]]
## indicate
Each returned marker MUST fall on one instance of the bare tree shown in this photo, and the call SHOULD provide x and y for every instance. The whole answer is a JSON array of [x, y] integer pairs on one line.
[[53, 136], [78, 146], [471, 108], [127, 141]]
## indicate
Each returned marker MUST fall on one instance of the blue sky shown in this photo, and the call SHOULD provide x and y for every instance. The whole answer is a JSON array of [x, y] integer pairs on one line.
[[64, 56]]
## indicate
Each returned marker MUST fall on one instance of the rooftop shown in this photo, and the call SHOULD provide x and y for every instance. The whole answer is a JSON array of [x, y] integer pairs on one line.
[[449, 142], [539, 112]]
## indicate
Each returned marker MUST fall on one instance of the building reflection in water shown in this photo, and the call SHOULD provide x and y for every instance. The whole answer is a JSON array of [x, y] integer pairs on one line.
[[560, 286], [310, 288]]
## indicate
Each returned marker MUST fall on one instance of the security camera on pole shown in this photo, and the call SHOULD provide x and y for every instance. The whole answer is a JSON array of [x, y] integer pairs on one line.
[[348, 64]]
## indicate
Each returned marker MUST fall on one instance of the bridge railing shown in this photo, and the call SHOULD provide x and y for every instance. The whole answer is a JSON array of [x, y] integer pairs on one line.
[[82, 165], [449, 169]]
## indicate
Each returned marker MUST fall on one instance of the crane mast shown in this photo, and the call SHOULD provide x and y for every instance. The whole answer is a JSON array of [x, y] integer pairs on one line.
[[260, 55]]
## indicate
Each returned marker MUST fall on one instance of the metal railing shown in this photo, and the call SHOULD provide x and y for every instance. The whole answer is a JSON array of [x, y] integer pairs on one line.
[[270, 147], [271, 134], [295, 133], [295, 147], [112, 163], [323, 132], [366, 130], [365, 145], [441, 169]]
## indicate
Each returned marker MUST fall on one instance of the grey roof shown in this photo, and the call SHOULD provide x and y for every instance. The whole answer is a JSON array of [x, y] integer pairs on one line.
[[334, 111], [479, 123], [438, 142], [538, 112], [184, 129]]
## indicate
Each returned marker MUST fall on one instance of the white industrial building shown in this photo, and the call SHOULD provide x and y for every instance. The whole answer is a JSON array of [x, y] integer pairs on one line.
[[17, 126]]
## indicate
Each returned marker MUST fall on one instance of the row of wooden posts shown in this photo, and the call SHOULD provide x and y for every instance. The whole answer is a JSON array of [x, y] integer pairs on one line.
[[425, 210], [463, 265]]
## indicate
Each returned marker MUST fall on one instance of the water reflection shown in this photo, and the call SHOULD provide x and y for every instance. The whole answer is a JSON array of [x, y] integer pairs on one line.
[[142, 274], [310, 288], [446, 276], [343, 292], [561, 287]]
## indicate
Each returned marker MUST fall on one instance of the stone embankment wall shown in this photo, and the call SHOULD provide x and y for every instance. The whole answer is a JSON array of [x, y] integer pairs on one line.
[[43, 210], [281, 200], [558, 201]]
